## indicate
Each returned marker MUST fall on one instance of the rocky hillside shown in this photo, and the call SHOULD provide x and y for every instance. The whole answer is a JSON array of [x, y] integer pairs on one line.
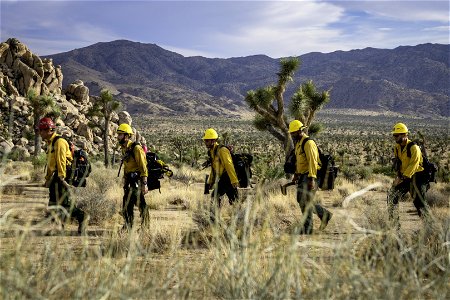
[[150, 79], [21, 71]]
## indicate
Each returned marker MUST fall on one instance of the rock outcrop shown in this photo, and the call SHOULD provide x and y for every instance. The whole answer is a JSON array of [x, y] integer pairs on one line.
[[22, 71]]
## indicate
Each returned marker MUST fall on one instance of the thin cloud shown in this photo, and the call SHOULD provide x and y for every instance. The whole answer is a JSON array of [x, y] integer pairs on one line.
[[226, 28]]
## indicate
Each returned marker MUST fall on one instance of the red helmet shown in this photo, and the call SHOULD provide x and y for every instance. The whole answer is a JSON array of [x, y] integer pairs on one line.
[[46, 123]]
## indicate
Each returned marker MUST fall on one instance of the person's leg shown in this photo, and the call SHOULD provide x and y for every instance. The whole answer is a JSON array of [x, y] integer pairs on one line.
[[225, 187], [394, 195], [143, 210], [305, 199], [418, 190], [324, 215], [53, 202], [128, 206]]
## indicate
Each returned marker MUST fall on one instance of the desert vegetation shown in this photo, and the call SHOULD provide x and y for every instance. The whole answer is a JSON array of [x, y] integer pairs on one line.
[[253, 250]]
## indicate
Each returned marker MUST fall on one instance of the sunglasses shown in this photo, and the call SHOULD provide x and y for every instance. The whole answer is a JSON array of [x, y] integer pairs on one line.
[[397, 134]]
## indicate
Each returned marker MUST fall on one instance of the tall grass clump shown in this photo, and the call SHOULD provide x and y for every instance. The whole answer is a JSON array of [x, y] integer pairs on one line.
[[102, 194]]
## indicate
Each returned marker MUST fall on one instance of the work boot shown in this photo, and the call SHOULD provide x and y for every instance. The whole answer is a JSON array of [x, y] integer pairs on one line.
[[325, 219]]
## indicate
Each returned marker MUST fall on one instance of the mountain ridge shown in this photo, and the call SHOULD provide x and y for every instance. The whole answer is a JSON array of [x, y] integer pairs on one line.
[[407, 79]]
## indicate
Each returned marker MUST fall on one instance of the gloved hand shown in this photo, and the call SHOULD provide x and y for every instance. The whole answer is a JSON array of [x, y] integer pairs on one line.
[[397, 181], [235, 185], [311, 184], [144, 188], [64, 183]]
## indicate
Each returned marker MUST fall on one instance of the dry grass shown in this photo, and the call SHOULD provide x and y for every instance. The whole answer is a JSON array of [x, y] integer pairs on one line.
[[248, 253]]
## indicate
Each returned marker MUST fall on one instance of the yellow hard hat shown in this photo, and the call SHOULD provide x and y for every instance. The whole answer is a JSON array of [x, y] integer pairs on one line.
[[296, 125], [124, 128], [399, 128], [210, 134]]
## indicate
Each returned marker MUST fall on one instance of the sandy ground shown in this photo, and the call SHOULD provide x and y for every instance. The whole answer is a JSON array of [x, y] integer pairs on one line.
[[24, 204]]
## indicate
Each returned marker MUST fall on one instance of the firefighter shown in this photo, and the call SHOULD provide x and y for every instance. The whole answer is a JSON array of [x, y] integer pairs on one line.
[[59, 156], [410, 175], [307, 164], [223, 178], [135, 176]]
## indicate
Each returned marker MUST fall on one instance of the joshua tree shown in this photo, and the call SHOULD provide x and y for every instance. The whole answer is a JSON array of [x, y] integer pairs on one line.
[[43, 105], [269, 104], [180, 144], [103, 108], [307, 101]]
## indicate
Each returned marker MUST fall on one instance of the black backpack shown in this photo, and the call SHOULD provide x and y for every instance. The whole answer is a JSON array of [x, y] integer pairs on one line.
[[242, 165], [80, 169], [156, 168], [327, 173], [430, 169]]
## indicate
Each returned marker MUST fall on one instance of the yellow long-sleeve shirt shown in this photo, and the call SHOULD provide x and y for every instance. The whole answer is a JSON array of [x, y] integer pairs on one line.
[[307, 161], [137, 162], [221, 161], [410, 165], [58, 157]]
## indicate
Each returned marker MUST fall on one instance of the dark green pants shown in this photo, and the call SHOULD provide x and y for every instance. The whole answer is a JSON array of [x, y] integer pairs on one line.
[[59, 195], [305, 199], [417, 188], [132, 196], [224, 186]]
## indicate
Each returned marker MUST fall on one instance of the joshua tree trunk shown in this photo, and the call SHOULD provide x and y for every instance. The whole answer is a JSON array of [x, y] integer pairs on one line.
[[37, 137], [106, 142]]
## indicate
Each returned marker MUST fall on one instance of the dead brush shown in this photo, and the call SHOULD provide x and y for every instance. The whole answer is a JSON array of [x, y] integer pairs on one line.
[[11, 190], [95, 199], [438, 197], [160, 240]]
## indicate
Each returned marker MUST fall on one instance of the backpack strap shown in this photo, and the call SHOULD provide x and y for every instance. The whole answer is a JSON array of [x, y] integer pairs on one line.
[[408, 148], [128, 153], [303, 143], [54, 141]]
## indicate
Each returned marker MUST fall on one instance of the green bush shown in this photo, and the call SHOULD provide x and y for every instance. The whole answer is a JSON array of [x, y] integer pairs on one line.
[[385, 170], [39, 161]]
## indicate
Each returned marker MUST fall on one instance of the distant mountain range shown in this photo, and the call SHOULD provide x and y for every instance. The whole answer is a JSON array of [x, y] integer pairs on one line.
[[151, 80]]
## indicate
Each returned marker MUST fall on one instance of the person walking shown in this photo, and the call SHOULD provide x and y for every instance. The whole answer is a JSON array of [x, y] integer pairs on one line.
[[307, 164], [410, 175], [135, 176], [222, 179], [59, 156]]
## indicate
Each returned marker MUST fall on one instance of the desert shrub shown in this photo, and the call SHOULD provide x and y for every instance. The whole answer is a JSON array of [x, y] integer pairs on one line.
[[37, 174], [437, 198], [353, 173], [11, 190], [385, 170], [39, 161], [99, 197], [275, 172], [349, 173]]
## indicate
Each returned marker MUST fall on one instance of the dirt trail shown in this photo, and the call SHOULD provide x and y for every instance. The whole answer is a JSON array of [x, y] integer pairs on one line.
[[23, 205]]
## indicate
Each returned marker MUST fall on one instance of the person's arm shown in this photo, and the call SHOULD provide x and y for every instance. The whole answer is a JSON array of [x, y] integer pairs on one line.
[[60, 150], [312, 156], [141, 161], [414, 162]]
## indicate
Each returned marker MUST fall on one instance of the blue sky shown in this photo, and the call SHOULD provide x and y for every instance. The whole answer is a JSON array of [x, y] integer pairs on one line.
[[227, 28]]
